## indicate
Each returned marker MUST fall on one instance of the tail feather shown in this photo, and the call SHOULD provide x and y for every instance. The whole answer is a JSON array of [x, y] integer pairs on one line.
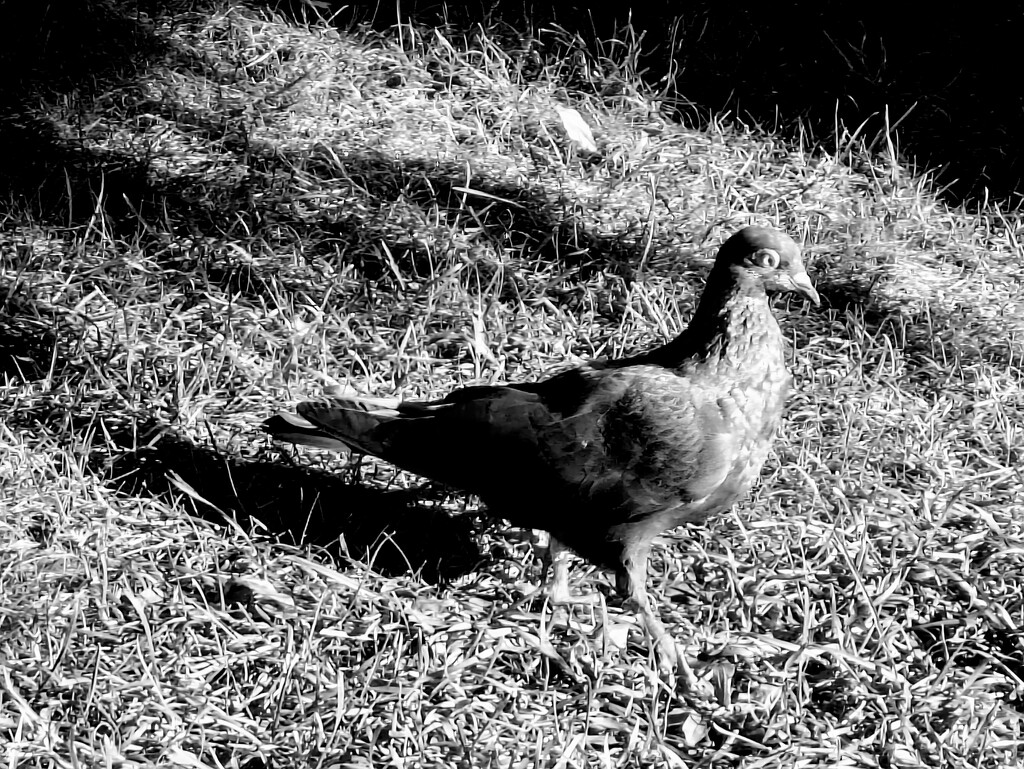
[[464, 440], [293, 429], [353, 422], [338, 423]]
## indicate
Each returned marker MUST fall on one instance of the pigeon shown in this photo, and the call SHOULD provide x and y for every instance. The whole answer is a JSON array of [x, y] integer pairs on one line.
[[606, 456]]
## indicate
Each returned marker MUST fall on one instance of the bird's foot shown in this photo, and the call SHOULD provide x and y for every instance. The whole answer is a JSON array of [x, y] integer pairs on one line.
[[557, 561]]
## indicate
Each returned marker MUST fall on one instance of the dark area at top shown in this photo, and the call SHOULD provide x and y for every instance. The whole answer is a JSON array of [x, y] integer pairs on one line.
[[950, 81]]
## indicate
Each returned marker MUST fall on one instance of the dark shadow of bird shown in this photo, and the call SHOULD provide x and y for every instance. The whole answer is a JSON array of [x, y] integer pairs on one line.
[[608, 455]]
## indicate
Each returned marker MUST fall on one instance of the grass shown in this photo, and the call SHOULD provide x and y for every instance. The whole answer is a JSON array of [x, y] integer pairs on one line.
[[256, 208]]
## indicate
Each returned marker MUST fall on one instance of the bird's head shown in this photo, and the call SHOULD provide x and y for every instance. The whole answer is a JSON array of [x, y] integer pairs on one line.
[[768, 257]]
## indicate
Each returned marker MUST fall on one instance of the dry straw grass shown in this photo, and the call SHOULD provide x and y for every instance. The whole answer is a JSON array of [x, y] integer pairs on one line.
[[275, 208]]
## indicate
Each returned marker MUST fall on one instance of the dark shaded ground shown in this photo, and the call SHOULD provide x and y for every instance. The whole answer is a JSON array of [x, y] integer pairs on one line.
[[948, 79], [394, 531], [52, 49], [947, 75], [391, 530]]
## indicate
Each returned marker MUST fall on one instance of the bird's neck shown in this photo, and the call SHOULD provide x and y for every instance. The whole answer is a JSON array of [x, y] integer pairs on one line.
[[733, 326]]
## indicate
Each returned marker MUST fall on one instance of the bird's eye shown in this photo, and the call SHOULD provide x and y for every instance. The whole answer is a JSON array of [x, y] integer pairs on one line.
[[767, 257]]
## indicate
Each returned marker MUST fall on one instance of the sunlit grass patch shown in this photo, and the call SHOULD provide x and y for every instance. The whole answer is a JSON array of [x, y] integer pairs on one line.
[[266, 209]]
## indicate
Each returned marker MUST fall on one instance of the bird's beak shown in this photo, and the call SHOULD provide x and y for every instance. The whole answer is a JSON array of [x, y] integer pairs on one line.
[[802, 283]]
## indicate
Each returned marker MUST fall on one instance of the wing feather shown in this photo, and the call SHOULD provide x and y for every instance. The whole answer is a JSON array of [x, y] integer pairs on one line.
[[626, 442]]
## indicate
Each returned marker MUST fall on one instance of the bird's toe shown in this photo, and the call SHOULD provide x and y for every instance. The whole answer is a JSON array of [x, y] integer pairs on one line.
[[668, 655]]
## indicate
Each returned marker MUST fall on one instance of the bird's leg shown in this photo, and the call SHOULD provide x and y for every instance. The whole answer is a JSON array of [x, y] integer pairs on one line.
[[558, 555], [631, 581], [542, 543]]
